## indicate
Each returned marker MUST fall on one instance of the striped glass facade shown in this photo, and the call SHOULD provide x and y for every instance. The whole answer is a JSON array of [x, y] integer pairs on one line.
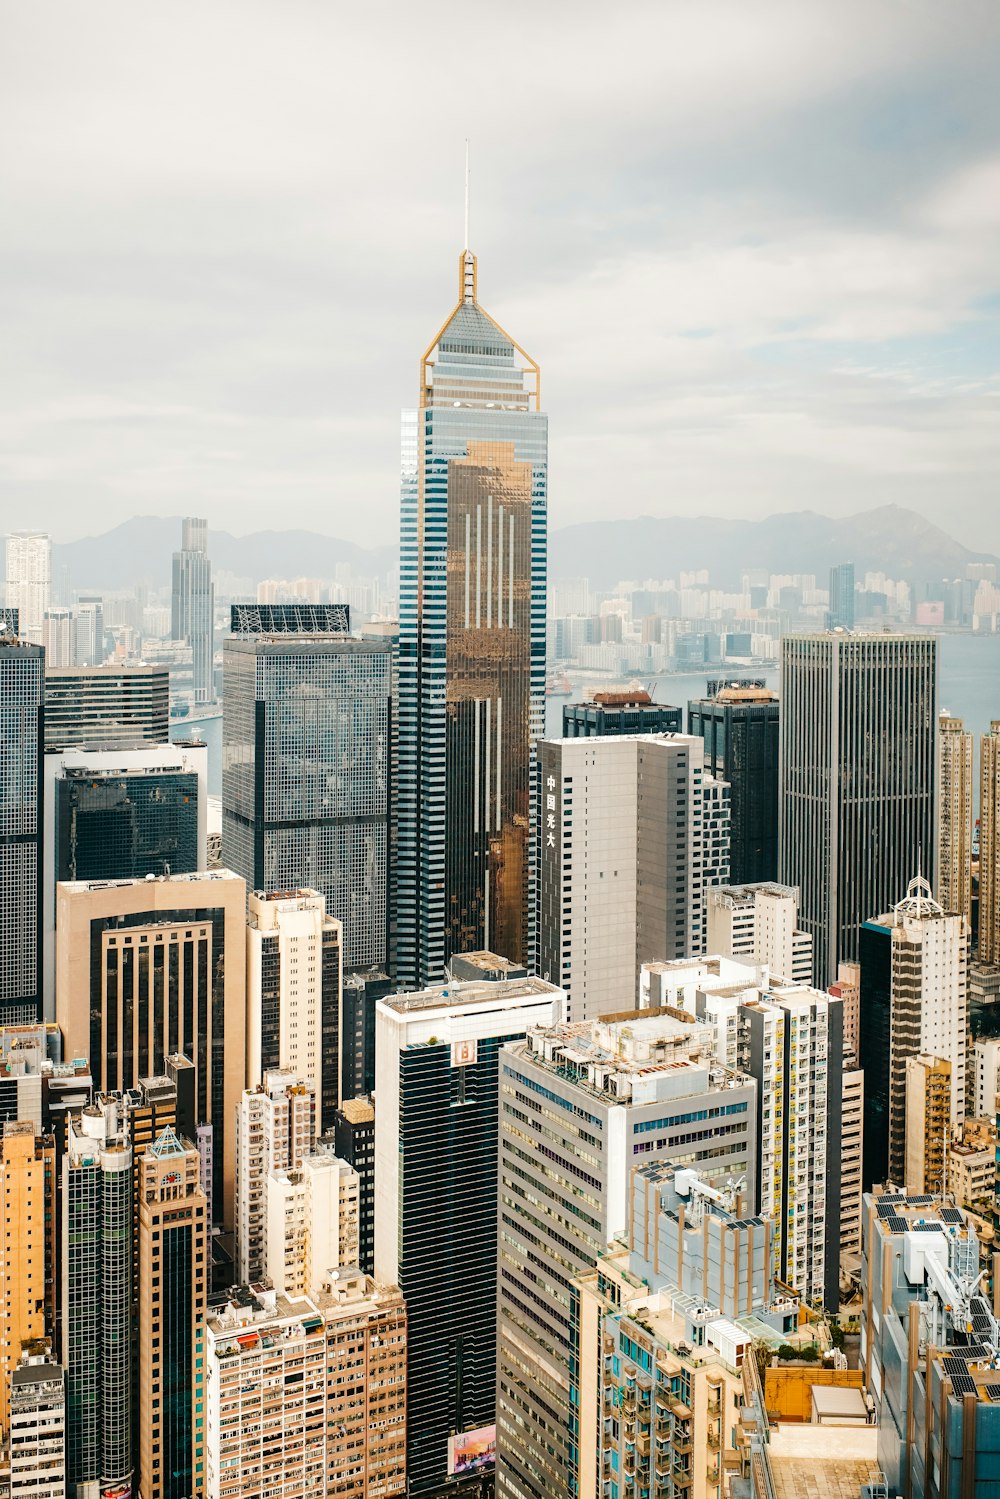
[[471, 645], [22, 690], [856, 780]]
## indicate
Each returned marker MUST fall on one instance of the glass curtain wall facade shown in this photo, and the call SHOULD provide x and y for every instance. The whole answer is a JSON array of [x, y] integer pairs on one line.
[[741, 747], [126, 826], [856, 780], [306, 776], [22, 692], [192, 606], [471, 644]]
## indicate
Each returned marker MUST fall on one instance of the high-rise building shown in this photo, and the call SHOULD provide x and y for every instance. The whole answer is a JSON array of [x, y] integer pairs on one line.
[[438, 1091], [852, 1134], [192, 606], [353, 1140], [35, 1083], [146, 969], [927, 1102], [914, 1001], [312, 1223], [106, 707], [29, 570], [930, 1346], [841, 611], [120, 815], [96, 1302], [989, 846], [848, 988], [27, 1291], [88, 642], [740, 730], [982, 1082], [361, 993], [856, 779], [628, 712], [306, 1395], [294, 980], [630, 832], [580, 1105], [276, 1130], [22, 697], [954, 812], [173, 1274], [58, 637], [471, 643], [37, 1427], [306, 775], [760, 924]]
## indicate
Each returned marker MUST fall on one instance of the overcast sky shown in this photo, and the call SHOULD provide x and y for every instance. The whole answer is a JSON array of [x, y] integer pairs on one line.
[[754, 244]]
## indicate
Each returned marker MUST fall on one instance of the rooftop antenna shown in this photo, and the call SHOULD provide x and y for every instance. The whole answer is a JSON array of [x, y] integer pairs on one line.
[[466, 192]]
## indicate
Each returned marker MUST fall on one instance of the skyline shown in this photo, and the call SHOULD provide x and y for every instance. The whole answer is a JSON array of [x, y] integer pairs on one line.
[[756, 258]]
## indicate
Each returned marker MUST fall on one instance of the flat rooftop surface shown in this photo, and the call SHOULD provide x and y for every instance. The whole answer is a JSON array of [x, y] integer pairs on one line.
[[822, 1462]]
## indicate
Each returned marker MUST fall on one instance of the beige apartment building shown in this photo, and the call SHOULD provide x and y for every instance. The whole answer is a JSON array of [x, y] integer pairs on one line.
[[306, 1395], [148, 969], [27, 1181]]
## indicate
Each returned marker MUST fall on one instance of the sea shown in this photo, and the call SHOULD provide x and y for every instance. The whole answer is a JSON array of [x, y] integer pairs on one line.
[[968, 688]]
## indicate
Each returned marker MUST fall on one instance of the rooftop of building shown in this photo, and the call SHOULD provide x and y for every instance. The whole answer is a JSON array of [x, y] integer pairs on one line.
[[358, 1111], [259, 1315], [734, 894], [635, 1056], [107, 669], [465, 994], [490, 964], [810, 1461], [194, 877]]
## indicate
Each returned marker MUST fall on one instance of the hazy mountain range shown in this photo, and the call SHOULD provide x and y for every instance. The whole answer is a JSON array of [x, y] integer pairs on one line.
[[891, 539]]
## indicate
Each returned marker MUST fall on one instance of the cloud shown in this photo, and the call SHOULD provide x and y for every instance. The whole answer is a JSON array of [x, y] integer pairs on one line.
[[754, 247]]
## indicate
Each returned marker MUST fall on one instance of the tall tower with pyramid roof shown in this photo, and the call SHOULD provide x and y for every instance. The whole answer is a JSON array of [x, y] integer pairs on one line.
[[471, 644]]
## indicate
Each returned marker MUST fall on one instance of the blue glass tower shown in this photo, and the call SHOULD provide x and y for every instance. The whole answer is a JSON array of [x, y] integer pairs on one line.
[[471, 644]]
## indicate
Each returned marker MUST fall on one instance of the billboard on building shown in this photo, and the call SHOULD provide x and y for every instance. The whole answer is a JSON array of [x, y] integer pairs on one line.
[[468, 1451]]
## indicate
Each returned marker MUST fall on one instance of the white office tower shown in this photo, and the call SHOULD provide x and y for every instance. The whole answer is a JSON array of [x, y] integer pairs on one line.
[[294, 977], [983, 1083], [28, 570], [312, 1223], [580, 1105], [437, 1081], [631, 830], [37, 1429], [760, 923], [275, 1131]]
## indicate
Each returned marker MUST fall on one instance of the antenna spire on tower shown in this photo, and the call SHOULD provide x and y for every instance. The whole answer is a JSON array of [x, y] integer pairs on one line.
[[466, 242]]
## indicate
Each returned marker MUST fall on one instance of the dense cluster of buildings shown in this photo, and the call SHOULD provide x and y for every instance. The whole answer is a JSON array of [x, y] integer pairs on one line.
[[485, 1111]]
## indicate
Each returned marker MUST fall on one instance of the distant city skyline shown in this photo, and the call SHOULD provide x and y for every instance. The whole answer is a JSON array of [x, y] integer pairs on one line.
[[759, 261]]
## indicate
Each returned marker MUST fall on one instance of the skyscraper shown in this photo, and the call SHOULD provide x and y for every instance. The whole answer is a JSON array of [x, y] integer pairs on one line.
[[438, 1091], [759, 923], [580, 1105], [471, 643], [630, 712], [954, 829], [740, 730], [98, 1209], [27, 1301], [106, 707], [147, 969], [120, 815], [275, 1131], [306, 775], [192, 606], [58, 637], [293, 993], [173, 1270], [630, 832], [989, 845], [856, 781], [28, 569], [841, 613], [22, 695], [89, 631], [914, 1001]]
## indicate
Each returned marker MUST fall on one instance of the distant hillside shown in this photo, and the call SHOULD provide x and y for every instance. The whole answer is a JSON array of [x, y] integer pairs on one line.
[[139, 551], [891, 539]]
